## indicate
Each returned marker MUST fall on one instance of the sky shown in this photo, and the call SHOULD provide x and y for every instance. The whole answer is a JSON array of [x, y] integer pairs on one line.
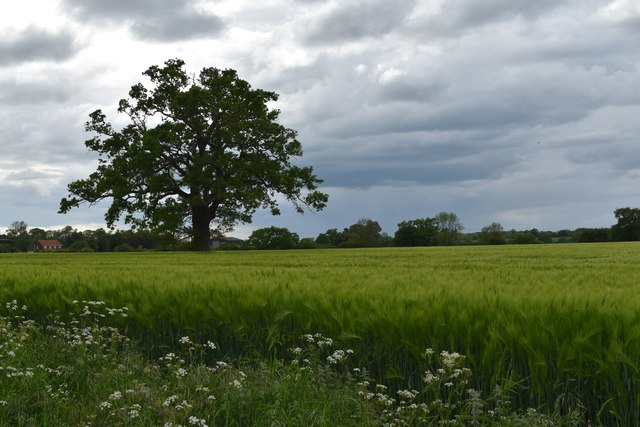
[[511, 111]]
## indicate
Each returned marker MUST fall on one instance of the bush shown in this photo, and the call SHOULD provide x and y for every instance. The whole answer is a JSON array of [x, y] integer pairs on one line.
[[80, 246], [308, 243], [125, 247], [524, 239], [6, 248]]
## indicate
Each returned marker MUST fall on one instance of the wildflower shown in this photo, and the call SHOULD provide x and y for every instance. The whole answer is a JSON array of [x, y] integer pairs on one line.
[[104, 405], [116, 395], [451, 360], [169, 401], [325, 342], [296, 351], [185, 340], [211, 345], [429, 377], [182, 405], [407, 394], [237, 384], [197, 421], [336, 357], [181, 372]]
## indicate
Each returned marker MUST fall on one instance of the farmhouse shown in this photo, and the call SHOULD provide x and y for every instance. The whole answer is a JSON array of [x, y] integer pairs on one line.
[[47, 245]]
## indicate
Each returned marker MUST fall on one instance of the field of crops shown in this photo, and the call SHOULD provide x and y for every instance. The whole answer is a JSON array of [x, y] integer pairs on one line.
[[562, 319]]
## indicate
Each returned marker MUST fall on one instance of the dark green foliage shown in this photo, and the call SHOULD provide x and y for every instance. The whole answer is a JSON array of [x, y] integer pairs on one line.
[[492, 235], [332, 237], [125, 247], [524, 239], [417, 232], [273, 238], [6, 248], [628, 225], [366, 233], [80, 246], [216, 154], [593, 235], [449, 227], [19, 237], [307, 243]]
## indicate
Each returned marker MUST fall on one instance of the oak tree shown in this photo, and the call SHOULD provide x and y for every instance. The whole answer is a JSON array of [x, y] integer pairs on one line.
[[199, 150]]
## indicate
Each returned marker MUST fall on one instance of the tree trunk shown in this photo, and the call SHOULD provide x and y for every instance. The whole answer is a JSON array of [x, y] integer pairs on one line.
[[201, 232]]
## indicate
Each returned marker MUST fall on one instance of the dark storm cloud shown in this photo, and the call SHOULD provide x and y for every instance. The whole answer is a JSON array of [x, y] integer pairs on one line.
[[455, 17], [36, 44], [359, 19], [122, 9], [462, 13], [181, 26], [151, 20]]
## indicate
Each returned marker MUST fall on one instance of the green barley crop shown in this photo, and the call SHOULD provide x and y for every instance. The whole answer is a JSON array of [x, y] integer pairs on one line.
[[563, 321], [85, 371]]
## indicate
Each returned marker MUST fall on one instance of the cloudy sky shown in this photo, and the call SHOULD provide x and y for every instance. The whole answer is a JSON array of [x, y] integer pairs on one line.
[[522, 112]]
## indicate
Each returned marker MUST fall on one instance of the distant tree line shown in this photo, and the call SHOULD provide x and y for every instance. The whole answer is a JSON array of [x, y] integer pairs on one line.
[[444, 229], [19, 238]]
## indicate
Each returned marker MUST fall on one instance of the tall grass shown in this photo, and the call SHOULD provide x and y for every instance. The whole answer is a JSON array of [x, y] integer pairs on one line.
[[563, 320]]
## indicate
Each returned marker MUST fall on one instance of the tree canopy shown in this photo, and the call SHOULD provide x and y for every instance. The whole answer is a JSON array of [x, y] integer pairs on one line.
[[197, 150], [628, 226], [449, 227], [417, 232], [273, 238], [492, 234]]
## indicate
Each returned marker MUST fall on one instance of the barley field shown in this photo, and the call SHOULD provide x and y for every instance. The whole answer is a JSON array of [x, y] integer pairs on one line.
[[560, 321]]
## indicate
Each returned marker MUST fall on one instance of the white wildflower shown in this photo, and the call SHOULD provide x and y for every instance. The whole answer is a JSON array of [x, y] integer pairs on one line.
[[182, 405], [197, 421], [336, 357], [169, 401], [451, 360]]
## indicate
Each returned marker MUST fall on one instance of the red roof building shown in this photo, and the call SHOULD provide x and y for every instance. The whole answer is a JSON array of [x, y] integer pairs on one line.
[[47, 245]]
